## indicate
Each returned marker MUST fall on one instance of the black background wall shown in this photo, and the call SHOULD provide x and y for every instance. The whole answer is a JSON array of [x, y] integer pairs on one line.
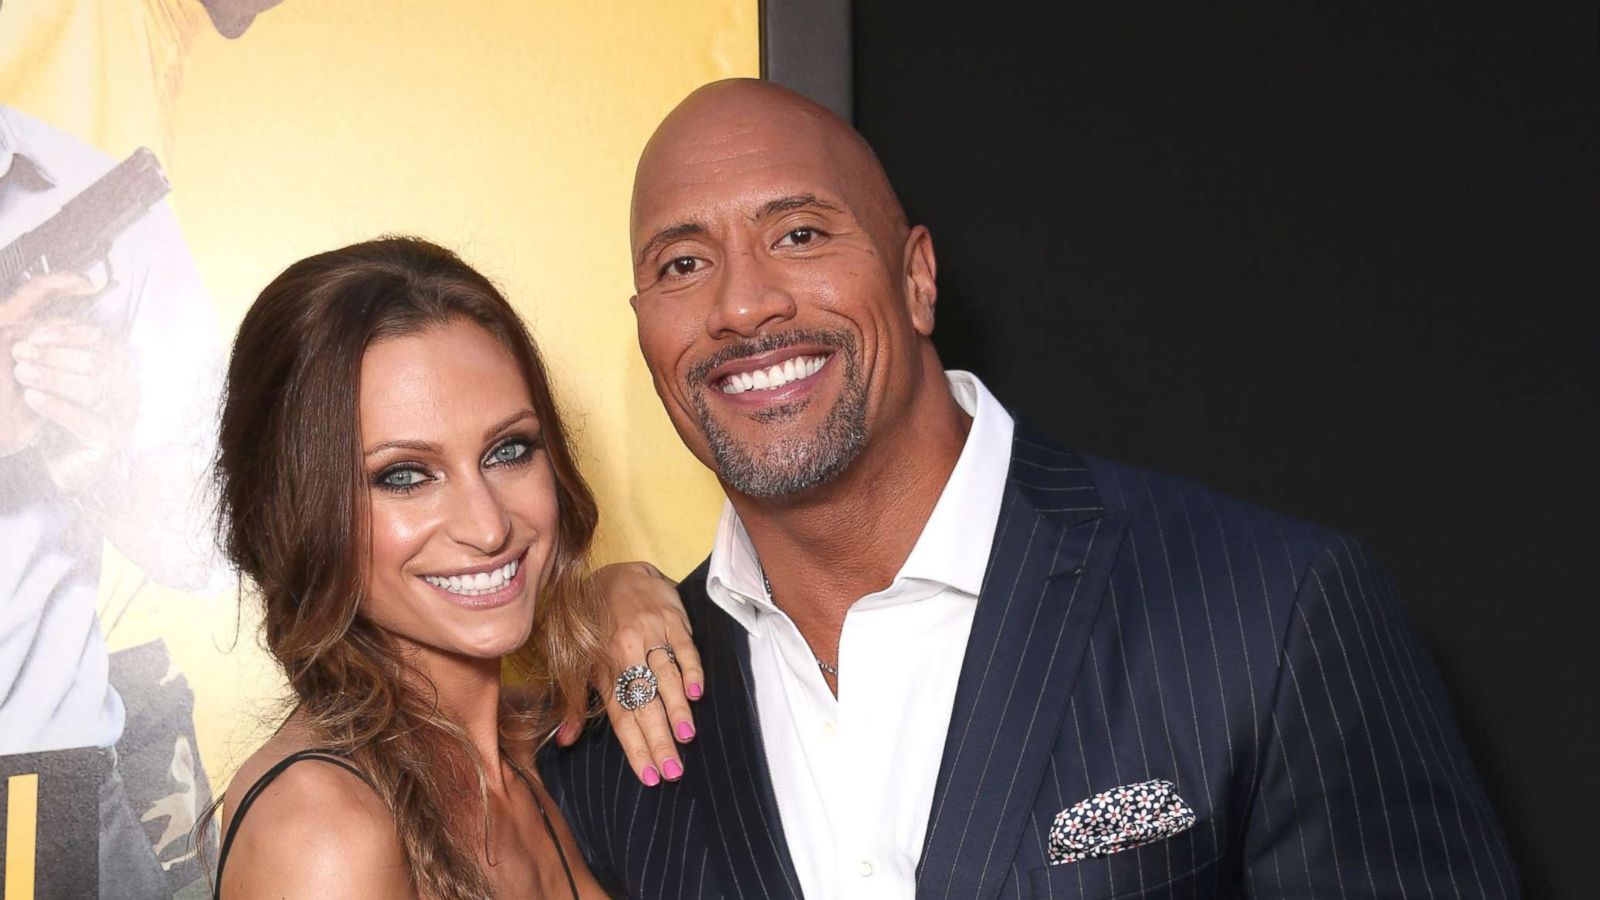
[[1328, 257]]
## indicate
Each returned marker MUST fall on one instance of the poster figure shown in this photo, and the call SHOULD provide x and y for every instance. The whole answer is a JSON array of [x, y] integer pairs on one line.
[[109, 71], [107, 409]]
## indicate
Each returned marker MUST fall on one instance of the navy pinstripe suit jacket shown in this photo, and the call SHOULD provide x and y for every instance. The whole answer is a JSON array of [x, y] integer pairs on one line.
[[1132, 626]]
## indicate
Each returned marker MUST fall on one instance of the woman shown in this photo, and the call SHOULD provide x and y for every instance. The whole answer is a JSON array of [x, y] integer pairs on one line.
[[397, 488]]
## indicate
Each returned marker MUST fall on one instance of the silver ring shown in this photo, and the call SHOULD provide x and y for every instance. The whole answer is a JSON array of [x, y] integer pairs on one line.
[[671, 656], [635, 687]]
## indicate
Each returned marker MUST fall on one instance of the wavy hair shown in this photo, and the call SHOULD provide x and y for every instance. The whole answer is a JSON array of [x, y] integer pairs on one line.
[[294, 511]]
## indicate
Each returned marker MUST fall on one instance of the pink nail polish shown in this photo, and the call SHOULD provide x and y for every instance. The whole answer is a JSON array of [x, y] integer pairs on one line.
[[694, 690], [651, 778], [672, 769], [685, 731]]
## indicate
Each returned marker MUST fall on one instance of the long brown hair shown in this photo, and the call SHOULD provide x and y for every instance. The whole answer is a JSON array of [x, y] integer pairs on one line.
[[293, 499]]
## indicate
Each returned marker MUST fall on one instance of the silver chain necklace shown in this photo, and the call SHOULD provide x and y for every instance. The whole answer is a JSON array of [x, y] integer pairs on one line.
[[767, 583]]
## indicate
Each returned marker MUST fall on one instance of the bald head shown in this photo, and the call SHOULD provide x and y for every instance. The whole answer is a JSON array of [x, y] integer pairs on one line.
[[785, 308], [744, 123]]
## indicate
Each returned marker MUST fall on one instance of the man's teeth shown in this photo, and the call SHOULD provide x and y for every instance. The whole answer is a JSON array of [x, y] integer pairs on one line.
[[473, 585], [773, 377]]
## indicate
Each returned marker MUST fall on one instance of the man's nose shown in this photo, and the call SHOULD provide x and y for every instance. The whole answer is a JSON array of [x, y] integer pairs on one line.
[[478, 518], [749, 297]]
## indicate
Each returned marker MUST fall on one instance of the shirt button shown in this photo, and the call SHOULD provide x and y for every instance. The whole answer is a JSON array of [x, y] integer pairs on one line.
[[865, 868], [829, 730]]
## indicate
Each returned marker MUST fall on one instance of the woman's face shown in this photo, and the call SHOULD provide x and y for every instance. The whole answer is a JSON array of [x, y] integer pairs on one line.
[[462, 495]]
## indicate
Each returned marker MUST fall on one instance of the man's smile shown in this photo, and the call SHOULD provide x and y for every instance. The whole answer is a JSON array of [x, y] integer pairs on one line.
[[771, 377], [767, 373]]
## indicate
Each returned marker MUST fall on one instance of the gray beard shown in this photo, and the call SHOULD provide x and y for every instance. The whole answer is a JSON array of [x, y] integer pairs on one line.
[[793, 465]]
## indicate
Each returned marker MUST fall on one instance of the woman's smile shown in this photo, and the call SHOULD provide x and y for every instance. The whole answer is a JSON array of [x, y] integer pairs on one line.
[[482, 587]]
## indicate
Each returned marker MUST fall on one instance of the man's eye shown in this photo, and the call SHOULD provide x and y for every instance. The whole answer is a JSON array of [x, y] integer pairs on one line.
[[683, 265], [800, 237]]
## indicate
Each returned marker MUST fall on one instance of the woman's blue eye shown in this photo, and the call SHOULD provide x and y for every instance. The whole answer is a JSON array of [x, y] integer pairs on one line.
[[509, 452], [403, 478]]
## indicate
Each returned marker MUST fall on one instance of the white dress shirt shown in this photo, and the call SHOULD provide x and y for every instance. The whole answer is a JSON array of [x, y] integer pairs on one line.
[[854, 776], [55, 689]]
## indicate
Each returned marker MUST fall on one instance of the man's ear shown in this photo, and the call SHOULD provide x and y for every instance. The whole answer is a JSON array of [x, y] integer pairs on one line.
[[633, 302], [921, 279]]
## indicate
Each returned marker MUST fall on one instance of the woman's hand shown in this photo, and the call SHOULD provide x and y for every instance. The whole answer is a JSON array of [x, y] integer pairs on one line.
[[646, 618]]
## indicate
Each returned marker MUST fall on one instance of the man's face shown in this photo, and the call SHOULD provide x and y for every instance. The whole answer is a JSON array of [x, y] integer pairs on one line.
[[770, 305], [232, 18]]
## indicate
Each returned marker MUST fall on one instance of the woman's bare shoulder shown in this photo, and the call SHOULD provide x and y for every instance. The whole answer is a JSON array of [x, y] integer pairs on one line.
[[316, 830]]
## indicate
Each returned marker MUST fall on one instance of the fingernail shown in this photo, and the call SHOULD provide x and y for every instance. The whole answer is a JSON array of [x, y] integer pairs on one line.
[[685, 731], [694, 690], [26, 372], [672, 769], [24, 350], [651, 778]]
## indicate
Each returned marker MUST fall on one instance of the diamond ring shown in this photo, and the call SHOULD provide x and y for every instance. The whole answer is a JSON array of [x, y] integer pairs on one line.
[[671, 656], [635, 687]]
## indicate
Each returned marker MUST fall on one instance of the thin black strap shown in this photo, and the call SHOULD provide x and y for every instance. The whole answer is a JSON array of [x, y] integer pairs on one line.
[[319, 754], [549, 827], [333, 756]]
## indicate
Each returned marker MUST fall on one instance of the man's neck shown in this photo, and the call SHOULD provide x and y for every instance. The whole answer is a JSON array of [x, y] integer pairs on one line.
[[838, 543]]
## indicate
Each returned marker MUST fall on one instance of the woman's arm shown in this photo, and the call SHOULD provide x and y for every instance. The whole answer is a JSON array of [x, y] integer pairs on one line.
[[643, 613]]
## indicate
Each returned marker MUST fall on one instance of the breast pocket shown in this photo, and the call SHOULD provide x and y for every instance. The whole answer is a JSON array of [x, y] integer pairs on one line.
[[1186, 866]]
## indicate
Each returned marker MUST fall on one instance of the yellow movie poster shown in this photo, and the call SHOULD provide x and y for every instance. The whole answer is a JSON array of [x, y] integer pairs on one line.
[[160, 162]]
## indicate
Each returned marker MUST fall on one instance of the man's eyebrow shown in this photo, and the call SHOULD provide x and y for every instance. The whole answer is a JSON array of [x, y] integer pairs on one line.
[[792, 202], [771, 207], [666, 236]]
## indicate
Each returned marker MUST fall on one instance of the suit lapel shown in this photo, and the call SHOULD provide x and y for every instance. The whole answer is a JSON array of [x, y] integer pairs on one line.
[[743, 829], [1047, 571]]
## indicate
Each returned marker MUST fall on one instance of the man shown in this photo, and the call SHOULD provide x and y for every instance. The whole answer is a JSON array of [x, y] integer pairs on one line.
[[110, 71], [945, 658], [105, 434]]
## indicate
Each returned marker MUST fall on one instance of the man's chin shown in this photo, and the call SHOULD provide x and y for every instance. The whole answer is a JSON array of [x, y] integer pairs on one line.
[[785, 463], [768, 427]]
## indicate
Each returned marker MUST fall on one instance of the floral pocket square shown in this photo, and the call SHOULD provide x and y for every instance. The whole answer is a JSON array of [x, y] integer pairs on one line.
[[1119, 819]]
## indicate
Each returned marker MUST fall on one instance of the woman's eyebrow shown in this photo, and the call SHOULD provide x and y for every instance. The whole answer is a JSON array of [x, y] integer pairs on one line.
[[427, 447], [419, 446], [509, 421]]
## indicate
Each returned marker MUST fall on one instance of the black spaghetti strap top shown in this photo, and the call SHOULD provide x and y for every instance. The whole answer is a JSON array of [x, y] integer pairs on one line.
[[336, 758]]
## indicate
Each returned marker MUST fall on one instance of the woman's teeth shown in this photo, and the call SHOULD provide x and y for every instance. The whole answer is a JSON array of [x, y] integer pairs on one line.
[[773, 377], [473, 585]]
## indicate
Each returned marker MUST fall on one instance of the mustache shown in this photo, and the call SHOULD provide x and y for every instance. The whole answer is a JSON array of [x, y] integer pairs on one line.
[[837, 340]]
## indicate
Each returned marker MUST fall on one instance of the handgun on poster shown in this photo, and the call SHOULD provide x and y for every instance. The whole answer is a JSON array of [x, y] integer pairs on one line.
[[79, 236]]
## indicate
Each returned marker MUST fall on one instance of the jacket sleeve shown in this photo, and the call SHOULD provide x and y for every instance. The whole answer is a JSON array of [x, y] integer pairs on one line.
[[578, 778], [1365, 787]]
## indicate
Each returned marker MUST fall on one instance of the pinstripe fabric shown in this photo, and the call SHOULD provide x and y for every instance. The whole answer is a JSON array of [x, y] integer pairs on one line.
[[1131, 626]]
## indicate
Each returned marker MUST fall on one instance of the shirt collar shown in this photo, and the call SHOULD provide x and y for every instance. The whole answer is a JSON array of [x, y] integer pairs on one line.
[[952, 550], [13, 147]]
